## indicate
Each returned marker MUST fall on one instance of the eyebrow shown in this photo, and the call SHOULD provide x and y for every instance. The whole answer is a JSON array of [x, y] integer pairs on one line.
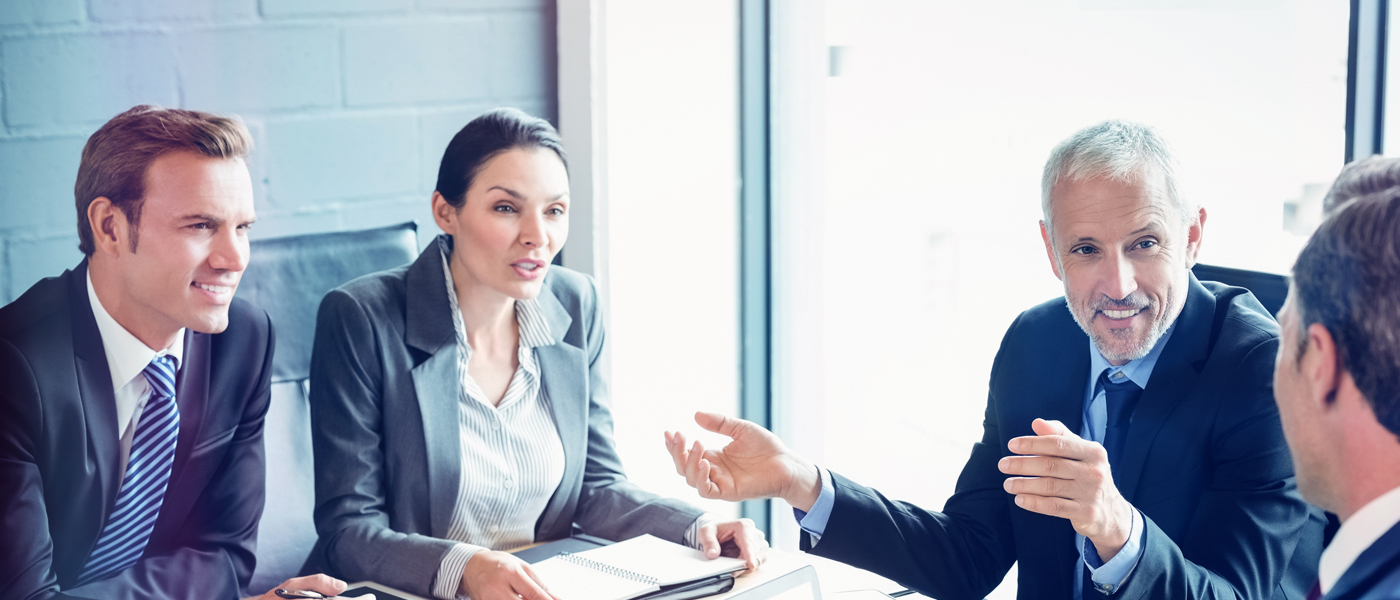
[[213, 219], [518, 196]]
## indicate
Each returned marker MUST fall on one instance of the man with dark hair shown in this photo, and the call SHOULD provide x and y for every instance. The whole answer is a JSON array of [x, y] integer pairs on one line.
[[133, 387], [1337, 379]]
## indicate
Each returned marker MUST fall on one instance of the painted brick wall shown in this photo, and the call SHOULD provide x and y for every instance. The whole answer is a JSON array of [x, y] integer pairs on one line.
[[350, 102]]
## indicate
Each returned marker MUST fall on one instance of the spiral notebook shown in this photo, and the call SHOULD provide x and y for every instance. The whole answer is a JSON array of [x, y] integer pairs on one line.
[[628, 569]]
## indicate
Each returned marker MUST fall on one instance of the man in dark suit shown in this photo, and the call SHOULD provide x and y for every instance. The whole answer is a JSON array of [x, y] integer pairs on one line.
[[1134, 418], [1337, 380], [133, 387]]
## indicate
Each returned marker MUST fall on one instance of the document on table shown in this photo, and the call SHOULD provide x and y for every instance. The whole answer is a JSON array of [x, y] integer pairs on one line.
[[628, 569]]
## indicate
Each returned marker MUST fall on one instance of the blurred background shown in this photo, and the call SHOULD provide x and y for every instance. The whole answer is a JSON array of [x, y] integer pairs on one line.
[[820, 215]]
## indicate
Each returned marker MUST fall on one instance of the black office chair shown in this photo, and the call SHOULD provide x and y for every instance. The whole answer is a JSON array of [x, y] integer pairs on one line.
[[1270, 288], [287, 277]]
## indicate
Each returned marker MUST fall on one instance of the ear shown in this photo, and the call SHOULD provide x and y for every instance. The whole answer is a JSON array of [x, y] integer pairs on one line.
[[1321, 366], [444, 214], [1050, 251], [110, 229], [1193, 238]]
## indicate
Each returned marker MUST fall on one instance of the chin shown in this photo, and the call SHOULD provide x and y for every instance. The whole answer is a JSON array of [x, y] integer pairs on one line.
[[210, 323]]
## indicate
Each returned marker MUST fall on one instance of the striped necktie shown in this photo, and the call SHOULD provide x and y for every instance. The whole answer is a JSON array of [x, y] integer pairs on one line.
[[124, 537]]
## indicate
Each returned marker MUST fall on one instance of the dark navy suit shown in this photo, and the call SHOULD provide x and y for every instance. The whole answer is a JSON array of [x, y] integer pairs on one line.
[[59, 472], [1205, 461], [1376, 573]]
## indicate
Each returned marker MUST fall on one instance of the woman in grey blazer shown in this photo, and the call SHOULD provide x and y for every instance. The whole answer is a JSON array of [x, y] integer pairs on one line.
[[458, 403]]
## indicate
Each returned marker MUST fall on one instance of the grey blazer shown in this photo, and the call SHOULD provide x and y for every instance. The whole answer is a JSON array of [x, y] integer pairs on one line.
[[386, 436]]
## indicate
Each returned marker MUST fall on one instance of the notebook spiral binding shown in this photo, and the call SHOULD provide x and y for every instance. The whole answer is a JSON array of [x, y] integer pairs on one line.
[[583, 561]]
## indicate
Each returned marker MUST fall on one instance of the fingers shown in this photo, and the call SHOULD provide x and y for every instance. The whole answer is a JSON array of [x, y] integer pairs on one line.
[[1055, 507], [1045, 466], [320, 583], [1050, 427], [1049, 487], [1062, 445], [721, 424], [753, 548], [709, 544], [675, 445], [534, 587]]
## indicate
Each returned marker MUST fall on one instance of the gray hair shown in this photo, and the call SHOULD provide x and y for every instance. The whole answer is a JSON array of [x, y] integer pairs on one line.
[[1117, 150]]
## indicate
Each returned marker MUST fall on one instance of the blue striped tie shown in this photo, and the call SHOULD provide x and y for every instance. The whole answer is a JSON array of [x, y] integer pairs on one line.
[[124, 537]]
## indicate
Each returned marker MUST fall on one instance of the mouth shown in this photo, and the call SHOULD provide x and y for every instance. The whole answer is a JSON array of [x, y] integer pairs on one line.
[[1119, 315], [214, 292], [529, 268]]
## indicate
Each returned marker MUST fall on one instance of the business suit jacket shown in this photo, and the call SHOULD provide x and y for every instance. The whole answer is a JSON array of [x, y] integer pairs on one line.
[[1376, 573], [386, 433], [1205, 462], [59, 447]]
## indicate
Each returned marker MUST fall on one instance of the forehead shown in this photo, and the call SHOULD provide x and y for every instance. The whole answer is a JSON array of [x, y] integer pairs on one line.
[[1100, 207], [532, 170], [184, 182]]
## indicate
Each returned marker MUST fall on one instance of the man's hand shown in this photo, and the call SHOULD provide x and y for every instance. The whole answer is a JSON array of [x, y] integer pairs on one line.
[[1064, 475], [492, 575], [321, 584], [734, 538], [756, 464]]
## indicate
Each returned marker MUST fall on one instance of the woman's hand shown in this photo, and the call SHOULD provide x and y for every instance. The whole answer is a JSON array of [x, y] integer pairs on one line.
[[734, 538], [321, 584], [492, 575]]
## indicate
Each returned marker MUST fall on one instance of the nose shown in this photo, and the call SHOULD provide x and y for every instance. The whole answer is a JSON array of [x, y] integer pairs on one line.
[[229, 251], [1120, 280], [533, 233]]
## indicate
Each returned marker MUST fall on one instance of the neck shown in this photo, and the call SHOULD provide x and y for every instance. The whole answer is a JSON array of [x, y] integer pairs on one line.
[[153, 331], [487, 315], [1371, 465]]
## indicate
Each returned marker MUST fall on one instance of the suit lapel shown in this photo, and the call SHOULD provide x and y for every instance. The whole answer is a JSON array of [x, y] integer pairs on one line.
[[1379, 559], [95, 389], [192, 397], [1173, 378], [564, 385], [429, 329]]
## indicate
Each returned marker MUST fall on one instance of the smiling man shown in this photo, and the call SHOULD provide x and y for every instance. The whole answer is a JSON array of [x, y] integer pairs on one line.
[[1131, 447], [133, 387]]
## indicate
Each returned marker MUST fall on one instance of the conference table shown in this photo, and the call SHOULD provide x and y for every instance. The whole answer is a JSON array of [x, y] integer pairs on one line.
[[836, 579]]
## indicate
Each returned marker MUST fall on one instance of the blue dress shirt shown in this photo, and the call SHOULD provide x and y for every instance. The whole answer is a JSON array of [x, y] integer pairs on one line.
[[1107, 576]]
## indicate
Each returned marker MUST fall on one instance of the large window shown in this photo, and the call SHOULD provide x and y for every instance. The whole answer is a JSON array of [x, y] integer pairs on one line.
[[898, 274]]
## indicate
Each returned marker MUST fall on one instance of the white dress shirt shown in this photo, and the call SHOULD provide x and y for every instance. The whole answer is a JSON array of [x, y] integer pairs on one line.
[[127, 357], [1356, 535]]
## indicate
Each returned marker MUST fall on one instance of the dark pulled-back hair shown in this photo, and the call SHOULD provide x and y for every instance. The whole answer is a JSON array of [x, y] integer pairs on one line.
[[482, 139], [117, 157], [1348, 279]]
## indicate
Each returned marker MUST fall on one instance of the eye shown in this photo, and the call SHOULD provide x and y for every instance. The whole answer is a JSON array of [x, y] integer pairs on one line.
[[202, 226], [1145, 244], [1083, 250], [504, 208], [556, 211]]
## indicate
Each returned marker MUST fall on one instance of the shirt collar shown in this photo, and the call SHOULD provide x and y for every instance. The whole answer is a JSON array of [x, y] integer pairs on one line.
[[534, 328], [1138, 370], [1356, 535], [127, 356]]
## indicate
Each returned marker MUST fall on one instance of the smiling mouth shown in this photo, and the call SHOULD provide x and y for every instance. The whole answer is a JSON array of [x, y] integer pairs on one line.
[[528, 266], [214, 289], [1121, 314]]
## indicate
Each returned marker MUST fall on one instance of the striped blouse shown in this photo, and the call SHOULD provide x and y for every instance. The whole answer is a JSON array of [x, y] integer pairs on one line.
[[512, 457]]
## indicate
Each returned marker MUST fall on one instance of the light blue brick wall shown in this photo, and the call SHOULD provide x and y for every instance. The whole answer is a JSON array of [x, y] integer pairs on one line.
[[350, 102]]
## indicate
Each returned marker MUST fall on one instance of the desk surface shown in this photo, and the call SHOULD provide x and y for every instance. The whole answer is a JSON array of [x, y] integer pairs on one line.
[[835, 577]]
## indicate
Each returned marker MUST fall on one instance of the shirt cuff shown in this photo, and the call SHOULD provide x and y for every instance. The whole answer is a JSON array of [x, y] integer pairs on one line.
[[692, 533], [814, 521], [449, 575], [1111, 575]]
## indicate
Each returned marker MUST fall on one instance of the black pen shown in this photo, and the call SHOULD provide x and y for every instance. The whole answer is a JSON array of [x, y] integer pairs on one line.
[[281, 593]]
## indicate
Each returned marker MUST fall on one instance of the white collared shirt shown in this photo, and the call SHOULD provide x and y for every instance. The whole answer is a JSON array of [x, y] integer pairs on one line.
[[127, 357], [1356, 535]]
